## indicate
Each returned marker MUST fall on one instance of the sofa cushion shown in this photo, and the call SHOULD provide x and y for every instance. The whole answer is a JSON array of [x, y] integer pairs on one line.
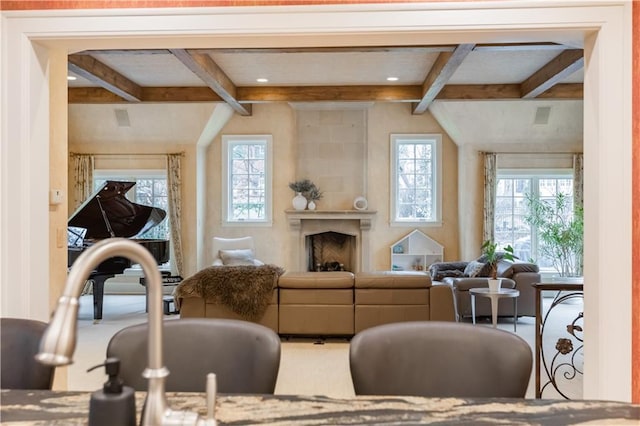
[[508, 269], [392, 279], [474, 268], [389, 296], [442, 274], [336, 279], [236, 257], [439, 270], [310, 296]]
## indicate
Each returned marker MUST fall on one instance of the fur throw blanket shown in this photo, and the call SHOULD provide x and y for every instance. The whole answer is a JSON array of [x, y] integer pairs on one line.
[[246, 290]]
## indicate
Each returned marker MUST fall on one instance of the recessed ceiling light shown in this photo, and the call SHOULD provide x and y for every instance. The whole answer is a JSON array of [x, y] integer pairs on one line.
[[71, 77], [262, 80], [392, 78]]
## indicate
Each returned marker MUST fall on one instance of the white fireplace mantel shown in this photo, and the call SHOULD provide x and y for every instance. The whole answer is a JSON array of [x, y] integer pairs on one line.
[[295, 217]]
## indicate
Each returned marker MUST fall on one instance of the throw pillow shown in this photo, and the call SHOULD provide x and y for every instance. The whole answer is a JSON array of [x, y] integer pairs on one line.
[[473, 268], [444, 273], [236, 257]]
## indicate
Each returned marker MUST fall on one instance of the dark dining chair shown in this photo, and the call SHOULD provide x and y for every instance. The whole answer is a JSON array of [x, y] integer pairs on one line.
[[439, 359], [244, 356], [19, 344]]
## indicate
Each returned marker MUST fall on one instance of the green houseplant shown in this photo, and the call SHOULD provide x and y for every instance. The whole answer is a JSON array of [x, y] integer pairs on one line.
[[492, 255], [560, 231]]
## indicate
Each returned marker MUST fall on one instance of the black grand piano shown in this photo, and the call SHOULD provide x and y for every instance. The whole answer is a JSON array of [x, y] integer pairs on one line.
[[108, 213]]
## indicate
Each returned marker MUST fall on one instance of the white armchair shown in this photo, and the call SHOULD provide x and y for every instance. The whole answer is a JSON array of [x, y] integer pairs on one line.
[[234, 251]]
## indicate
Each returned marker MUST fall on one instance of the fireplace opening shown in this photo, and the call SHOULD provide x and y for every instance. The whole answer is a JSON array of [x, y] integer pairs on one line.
[[331, 251]]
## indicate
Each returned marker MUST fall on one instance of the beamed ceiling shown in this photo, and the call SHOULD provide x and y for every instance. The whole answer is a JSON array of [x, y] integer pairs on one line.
[[456, 83]]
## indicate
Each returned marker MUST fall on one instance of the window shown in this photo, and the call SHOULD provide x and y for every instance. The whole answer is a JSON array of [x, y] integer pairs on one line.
[[416, 179], [150, 190], [246, 179], [510, 225]]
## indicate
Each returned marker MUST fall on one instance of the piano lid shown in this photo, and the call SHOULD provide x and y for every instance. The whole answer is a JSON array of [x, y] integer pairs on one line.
[[108, 213]]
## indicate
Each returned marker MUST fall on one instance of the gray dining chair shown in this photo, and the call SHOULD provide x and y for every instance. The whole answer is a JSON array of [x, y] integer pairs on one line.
[[244, 356], [439, 359], [19, 344]]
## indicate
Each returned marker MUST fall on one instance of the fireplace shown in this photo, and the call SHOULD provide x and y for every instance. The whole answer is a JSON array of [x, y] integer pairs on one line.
[[331, 240], [331, 251]]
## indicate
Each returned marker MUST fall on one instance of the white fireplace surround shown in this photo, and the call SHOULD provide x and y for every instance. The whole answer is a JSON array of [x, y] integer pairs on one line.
[[351, 222]]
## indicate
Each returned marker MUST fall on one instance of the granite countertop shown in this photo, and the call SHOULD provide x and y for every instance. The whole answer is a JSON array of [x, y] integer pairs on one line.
[[71, 408]]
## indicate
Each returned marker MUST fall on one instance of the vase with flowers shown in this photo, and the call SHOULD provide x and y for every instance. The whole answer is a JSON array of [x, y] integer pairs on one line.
[[300, 187], [313, 195]]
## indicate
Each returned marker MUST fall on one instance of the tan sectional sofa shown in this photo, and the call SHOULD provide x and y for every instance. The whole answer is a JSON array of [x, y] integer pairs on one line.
[[395, 296], [316, 303], [342, 303], [198, 307]]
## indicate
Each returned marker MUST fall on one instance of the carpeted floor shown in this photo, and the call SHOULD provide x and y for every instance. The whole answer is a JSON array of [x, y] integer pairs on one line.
[[308, 366]]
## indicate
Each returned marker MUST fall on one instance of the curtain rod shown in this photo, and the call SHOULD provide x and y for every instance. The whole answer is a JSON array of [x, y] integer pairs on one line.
[[530, 153], [182, 153]]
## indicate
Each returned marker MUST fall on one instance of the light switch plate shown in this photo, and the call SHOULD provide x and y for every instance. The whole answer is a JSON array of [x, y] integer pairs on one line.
[[55, 196]]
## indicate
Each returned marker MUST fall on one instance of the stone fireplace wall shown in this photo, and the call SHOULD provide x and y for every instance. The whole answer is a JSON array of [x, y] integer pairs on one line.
[[332, 152]]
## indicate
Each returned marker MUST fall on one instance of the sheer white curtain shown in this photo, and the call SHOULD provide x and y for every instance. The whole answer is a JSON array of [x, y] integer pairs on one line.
[[489, 196], [83, 165], [174, 187]]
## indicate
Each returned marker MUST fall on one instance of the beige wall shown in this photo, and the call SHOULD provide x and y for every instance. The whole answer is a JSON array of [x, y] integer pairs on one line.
[[274, 244], [387, 118]]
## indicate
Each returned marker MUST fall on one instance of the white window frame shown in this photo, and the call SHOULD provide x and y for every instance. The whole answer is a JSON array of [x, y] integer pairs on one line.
[[227, 142], [535, 175], [435, 140]]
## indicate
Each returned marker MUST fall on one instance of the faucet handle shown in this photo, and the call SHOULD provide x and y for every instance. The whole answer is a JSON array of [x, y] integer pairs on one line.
[[212, 389]]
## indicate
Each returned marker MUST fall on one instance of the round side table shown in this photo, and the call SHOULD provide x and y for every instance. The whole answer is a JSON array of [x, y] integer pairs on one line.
[[495, 296]]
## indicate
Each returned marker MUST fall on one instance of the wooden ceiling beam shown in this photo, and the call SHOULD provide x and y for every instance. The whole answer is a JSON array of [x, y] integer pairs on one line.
[[98, 95], [262, 94], [479, 92], [483, 92], [567, 91], [559, 68], [180, 94], [440, 73], [204, 67], [92, 95], [329, 93], [108, 78]]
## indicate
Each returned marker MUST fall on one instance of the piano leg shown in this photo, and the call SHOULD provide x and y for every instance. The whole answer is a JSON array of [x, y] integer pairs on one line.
[[98, 294]]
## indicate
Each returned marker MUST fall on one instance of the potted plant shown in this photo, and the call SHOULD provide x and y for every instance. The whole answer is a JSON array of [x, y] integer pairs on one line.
[[492, 255], [560, 232], [300, 187], [314, 194]]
